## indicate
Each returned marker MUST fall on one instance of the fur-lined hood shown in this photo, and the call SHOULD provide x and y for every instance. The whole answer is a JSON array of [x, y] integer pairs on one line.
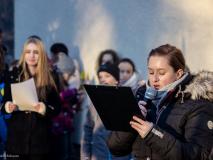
[[201, 86]]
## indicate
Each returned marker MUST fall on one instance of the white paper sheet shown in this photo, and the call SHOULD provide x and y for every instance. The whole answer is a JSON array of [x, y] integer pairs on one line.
[[24, 95]]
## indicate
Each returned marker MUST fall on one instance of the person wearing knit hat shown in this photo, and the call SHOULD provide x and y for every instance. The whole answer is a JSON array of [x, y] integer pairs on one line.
[[108, 68], [93, 142]]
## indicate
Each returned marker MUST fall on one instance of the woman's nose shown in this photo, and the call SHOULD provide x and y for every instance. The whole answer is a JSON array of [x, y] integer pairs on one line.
[[101, 80], [156, 78]]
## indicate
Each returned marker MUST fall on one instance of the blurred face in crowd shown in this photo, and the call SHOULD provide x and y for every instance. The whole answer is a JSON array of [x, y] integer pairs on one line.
[[106, 79], [160, 73], [66, 76], [31, 54], [107, 58], [126, 71], [54, 58]]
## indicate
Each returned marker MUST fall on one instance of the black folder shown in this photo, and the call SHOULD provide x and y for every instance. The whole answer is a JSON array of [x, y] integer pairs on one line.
[[115, 105]]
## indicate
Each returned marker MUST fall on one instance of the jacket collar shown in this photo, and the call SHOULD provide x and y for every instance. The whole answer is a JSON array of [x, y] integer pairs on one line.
[[201, 86]]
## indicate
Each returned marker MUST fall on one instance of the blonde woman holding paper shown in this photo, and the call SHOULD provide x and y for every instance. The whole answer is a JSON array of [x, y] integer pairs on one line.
[[28, 131]]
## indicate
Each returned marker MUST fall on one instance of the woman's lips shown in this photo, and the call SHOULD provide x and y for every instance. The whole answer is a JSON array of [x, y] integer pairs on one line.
[[156, 86]]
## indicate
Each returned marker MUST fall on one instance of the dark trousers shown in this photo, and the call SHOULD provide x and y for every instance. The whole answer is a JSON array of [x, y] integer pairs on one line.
[[61, 147]]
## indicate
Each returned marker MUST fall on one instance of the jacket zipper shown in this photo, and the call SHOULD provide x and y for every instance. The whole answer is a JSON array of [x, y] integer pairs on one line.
[[159, 113]]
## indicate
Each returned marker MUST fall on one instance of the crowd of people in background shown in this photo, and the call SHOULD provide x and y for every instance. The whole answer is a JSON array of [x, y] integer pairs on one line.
[[179, 118]]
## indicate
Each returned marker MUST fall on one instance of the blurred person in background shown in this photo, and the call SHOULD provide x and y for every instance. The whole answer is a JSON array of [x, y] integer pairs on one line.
[[4, 50], [93, 144], [3, 117], [62, 125], [128, 74], [60, 51], [108, 55], [69, 71], [105, 56]]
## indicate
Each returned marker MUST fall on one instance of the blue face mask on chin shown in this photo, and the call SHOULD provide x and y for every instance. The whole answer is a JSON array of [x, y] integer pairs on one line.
[[153, 94], [158, 95]]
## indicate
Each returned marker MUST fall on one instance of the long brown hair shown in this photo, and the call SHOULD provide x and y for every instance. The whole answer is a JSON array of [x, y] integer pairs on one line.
[[43, 77]]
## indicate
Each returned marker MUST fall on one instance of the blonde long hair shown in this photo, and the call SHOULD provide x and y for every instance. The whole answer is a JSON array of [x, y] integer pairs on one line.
[[43, 78]]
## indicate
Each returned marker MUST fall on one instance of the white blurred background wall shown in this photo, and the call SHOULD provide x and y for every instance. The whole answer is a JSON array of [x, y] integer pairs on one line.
[[131, 27]]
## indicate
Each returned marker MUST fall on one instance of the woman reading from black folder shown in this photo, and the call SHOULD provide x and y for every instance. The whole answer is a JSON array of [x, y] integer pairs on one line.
[[179, 118]]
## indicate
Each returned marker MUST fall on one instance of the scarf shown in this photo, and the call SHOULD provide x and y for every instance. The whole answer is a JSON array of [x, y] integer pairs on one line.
[[162, 93], [132, 81]]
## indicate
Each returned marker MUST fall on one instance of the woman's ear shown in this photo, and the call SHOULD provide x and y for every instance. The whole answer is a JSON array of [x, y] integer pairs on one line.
[[179, 74]]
